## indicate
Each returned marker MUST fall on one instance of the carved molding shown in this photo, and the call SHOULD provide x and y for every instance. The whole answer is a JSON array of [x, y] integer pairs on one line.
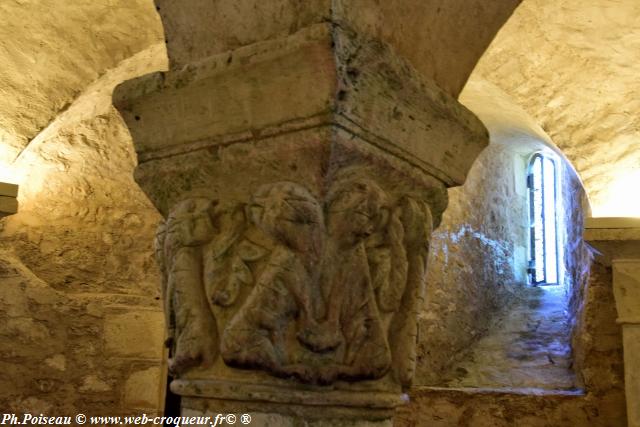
[[320, 76]]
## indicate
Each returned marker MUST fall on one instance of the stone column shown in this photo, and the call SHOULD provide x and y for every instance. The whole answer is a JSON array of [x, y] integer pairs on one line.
[[618, 242], [300, 178]]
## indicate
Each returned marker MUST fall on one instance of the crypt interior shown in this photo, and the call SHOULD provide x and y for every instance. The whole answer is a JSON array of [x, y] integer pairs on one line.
[[322, 212]]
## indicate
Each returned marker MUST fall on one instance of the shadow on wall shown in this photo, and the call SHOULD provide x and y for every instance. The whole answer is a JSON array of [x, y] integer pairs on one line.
[[483, 324]]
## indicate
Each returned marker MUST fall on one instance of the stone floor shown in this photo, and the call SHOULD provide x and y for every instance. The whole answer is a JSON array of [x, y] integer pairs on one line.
[[529, 347]]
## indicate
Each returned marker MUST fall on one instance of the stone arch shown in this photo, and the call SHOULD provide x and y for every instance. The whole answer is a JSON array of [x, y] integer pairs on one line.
[[490, 211], [76, 250], [431, 45], [552, 59]]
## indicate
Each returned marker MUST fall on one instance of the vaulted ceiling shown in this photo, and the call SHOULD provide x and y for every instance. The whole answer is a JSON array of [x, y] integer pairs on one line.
[[574, 65], [50, 50], [571, 64]]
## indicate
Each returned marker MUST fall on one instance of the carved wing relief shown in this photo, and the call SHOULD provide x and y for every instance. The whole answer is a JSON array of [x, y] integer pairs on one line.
[[297, 287]]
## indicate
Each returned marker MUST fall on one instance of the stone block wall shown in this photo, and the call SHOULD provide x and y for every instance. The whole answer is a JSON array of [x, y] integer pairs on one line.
[[81, 325]]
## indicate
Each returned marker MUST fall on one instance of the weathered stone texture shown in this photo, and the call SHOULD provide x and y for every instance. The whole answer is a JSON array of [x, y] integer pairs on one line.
[[51, 50], [598, 343], [144, 388], [220, 26], [318, 76], [590, 318], [598, 364], [81, 325], [471, 275], [466, 408], [442, 39], [141, 341], [79, 302], [307, 269]]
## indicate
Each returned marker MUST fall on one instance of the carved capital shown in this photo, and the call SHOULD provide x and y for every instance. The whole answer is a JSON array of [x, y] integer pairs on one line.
[[295, 283], [300, 180]]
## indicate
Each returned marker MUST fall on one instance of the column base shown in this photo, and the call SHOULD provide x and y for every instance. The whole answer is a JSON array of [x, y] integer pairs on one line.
[[276, 419], [282, 406]]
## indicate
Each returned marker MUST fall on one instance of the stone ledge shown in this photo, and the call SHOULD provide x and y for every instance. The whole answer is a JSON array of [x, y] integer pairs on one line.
[[611, 222], [8, 190], [613, 238], [238, 391], [497, 391]]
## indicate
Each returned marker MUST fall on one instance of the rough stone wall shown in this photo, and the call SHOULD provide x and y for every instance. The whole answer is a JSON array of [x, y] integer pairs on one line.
[[529, 344], [598, 363], [466, 408], [598, 339], [472, 273], [82, 327]]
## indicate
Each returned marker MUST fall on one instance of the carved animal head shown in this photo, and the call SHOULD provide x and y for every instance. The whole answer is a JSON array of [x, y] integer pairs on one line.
[[290, 214]]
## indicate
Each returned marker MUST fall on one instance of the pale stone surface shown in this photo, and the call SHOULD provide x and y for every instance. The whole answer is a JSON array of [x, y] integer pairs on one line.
[[138, 333], [528, 348], [631, 333], [58, 362], [93, 383], [318, 76], [442, 39], [8, 206], [51, 50], [278, 420], [464, 292], [8, 189], [626, 223], [626, 285], [75, 251], [29, 334], [506, 408], [600, 368], [570, 64], [50, 57], [614, 243], [595, 337], [144, 389], [228, 310]]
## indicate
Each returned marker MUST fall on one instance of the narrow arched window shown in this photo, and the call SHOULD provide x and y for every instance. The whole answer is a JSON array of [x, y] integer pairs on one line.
[[543, 220]]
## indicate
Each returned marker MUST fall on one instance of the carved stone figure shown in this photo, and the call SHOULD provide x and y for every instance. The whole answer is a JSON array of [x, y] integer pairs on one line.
[[284, 293], [309, 289], [179, 247], [356, 209]]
